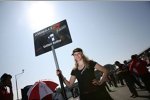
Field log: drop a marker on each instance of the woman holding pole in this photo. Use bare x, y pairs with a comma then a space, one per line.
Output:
90, 88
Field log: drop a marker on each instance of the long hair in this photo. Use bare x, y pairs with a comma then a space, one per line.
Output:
85, 61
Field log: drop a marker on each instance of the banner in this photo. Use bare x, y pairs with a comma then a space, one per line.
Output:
57, 35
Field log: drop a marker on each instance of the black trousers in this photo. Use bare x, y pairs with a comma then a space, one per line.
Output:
146, 80
130, 83
131, 87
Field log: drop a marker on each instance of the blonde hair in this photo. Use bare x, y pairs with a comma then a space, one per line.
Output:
85, 61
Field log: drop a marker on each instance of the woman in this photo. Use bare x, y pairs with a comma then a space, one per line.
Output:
90, 88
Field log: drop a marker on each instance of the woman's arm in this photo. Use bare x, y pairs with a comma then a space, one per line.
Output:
68, 83
104, 75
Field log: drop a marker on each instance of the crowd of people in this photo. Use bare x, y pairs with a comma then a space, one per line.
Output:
134, 74
93, 78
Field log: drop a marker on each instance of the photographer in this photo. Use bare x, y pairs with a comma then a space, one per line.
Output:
6, 92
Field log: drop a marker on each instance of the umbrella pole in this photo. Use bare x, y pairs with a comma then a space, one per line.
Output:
60, 76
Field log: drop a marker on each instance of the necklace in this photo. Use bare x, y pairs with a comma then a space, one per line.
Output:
82, 70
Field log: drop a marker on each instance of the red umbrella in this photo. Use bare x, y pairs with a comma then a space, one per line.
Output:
41, 89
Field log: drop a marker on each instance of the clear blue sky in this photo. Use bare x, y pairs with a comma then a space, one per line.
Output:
106, 31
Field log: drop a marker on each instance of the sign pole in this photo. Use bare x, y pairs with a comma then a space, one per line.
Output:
57, 68
51, 38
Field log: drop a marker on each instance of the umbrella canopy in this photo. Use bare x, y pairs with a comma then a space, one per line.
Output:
41, 89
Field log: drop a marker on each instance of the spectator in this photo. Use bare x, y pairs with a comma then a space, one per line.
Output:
5, 84
127, 77
140, 68
134, 77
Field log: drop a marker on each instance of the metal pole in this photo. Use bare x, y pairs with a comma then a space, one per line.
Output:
57, 68
55, 58
17, 83
16, 87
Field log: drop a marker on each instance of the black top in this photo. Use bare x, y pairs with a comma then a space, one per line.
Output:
85, 77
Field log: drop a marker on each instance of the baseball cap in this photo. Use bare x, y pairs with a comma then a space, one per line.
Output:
76, 50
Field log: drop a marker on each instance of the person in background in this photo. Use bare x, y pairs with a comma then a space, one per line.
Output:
123, 70
89, 87
134, 76
6, 92
120, 78
139, 67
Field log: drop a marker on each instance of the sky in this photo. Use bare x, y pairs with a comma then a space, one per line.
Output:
106, 31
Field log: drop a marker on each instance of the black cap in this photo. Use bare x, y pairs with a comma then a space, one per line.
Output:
77, 50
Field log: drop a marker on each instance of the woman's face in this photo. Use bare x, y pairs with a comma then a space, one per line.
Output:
78, 56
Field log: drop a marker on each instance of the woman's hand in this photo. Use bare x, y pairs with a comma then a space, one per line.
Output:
96, 82
58, 72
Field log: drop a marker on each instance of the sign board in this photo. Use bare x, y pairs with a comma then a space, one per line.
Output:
57, 35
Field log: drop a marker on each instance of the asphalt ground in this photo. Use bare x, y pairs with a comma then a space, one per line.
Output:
123, 93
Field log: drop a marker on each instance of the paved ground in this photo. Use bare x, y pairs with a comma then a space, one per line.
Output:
122, 93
